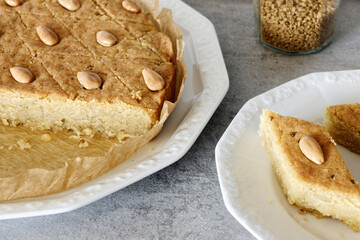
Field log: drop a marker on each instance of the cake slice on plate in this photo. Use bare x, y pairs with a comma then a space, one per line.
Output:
342, 122
322, 185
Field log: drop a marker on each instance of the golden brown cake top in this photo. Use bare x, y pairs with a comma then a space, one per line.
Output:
139, 45
349, 113
332, 174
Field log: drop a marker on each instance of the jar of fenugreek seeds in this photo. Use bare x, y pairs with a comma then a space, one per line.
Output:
296, 26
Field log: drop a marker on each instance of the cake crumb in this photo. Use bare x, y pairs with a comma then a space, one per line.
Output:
77, 131
302, 211
24, 144
136, 95
122, 136
270, 200
88, 132
82, 143
46, 137
151, 149
305, 219
75, 137
342, 235
5, 122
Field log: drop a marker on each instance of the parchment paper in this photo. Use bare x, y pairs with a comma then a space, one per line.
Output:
58, 165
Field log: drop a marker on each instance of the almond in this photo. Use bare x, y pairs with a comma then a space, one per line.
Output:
47, 36
89, 80
71, 5
153, 80
311, 149
105, 38
21, 75
14, 3
130, 6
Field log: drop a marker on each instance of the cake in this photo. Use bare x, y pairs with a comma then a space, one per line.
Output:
327, 189
77, 76
88, 66
343, 124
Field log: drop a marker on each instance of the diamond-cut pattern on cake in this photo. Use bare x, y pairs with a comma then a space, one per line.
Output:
44, 84
68, 45
130, 72
126, 48
35, 7
88, 10
9, 40
115, 10
119, 66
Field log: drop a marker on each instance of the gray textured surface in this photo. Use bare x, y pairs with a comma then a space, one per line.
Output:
183, 201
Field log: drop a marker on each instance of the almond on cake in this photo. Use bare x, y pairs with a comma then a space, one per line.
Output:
325, 187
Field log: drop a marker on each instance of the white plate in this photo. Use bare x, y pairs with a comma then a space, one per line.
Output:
250, 190
206, 85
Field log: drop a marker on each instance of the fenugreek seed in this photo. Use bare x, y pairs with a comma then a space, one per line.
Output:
153, 80
71, 5
89, 80
105, 38
311, 149
47, 36
130, 6
21, 75
14, 3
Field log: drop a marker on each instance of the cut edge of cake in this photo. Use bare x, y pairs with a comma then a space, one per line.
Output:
84, 118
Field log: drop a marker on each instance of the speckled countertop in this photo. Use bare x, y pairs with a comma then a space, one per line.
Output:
183, 201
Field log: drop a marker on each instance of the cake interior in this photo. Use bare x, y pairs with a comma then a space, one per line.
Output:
84, 118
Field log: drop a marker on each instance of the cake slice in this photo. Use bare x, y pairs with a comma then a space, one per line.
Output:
327, 188
343, 124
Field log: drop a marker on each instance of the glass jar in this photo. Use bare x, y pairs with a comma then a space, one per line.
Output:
296, 26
